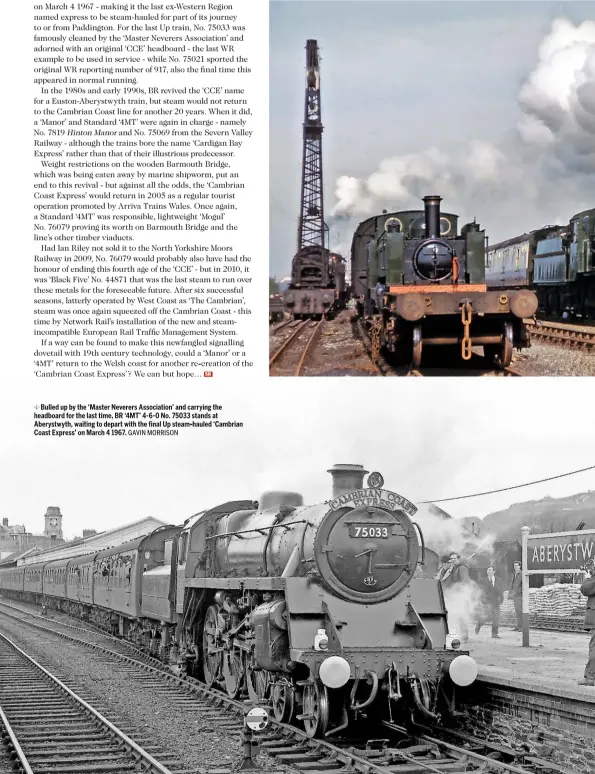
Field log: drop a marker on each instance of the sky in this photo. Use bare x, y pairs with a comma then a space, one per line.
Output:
489, 104
428, 438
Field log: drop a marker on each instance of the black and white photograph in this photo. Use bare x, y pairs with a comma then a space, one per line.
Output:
435, 160
206, 570
397, 589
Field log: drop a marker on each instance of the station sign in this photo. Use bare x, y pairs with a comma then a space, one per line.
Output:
560, 552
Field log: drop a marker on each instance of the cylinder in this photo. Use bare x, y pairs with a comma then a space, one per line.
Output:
347, 478
432, 208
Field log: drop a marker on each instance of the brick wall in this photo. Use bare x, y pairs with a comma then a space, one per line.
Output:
550, 727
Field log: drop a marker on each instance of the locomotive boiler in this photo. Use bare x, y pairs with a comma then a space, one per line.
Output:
421, 283
316, 609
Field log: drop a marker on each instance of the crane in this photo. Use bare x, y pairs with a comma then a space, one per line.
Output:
312, 229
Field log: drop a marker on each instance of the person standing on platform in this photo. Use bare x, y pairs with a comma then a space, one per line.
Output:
588, 590
492, 599
454, 576
515, 592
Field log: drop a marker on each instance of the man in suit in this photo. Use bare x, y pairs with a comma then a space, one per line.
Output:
588, 589
454, 576
492, 596
515, 592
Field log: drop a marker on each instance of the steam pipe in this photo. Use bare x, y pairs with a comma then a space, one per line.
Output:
292, 563
419, 704
432, 210
373, 692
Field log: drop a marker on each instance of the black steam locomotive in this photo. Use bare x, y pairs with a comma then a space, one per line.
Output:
317, 287
420, 282
320, 610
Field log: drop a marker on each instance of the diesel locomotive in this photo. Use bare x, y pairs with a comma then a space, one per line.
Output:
556, 262
420, 282
320, 610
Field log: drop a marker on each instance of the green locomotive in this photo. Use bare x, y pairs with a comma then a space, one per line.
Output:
420, 282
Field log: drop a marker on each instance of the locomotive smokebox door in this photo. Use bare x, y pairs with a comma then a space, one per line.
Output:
366, 553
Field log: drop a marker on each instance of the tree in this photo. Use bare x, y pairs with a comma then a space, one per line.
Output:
273, 285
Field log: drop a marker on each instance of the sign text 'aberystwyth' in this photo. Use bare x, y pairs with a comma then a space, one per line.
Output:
560, 552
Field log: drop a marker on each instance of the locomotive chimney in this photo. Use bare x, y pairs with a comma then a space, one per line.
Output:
346, 478
432, 207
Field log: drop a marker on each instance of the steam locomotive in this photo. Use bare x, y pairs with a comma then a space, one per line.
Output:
557, 262
318, 609
421, 283
317, 287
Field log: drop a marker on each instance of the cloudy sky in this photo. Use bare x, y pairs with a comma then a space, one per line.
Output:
427, 443
490, 104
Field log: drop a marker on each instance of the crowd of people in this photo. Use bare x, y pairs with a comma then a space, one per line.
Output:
479, 601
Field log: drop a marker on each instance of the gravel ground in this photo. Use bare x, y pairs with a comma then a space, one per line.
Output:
338, 353
5, 761
548, 360
143, 711
335, 351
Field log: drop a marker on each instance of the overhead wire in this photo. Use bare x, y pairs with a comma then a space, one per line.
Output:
506, 488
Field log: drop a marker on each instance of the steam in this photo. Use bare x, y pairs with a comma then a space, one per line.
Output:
463, 606
445, 535
536, 176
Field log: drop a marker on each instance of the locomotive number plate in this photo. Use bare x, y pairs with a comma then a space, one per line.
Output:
369, 531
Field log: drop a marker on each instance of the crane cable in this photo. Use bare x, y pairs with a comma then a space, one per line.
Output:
506, 488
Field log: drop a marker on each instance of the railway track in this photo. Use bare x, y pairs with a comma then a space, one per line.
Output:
422, 751
52, 730
291, 355
561, 334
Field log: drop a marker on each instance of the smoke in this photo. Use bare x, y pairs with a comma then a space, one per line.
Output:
445, 535
558, 98
536, 176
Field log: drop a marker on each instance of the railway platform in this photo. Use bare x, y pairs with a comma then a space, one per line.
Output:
553, 664
535, 689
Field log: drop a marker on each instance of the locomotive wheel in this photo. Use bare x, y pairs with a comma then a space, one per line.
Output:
505, 355
418, 343
282, 697
233, 671
211, 649
316, 709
